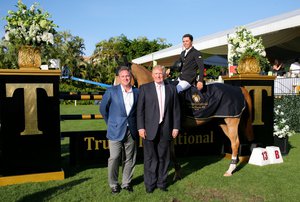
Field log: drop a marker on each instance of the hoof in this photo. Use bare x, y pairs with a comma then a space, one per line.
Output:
231, 169
227, 174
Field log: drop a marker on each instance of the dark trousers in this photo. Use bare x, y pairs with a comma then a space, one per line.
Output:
156, 161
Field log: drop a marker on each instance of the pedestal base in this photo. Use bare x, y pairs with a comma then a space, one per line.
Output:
283, 144
39, 177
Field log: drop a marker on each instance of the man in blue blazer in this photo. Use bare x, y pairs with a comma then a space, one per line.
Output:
158, 121
118, 108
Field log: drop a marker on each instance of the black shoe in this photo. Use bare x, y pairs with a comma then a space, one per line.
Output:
164, 189
128, 188
149, 191
115, 190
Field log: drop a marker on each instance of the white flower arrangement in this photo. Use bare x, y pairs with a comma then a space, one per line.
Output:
29, 26
244, 44
281, 129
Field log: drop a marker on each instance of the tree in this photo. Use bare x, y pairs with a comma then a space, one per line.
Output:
8, 55
67, 48
119, 50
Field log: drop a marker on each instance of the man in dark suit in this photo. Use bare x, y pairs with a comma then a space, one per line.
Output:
191, 62
118, 108
158, 121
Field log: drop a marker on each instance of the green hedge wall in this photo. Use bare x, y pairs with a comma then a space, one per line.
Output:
290, 105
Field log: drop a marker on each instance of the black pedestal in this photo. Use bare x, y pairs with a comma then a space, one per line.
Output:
30, 122
261, 90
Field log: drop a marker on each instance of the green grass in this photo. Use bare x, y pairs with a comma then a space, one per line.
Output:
202, 181
81, 125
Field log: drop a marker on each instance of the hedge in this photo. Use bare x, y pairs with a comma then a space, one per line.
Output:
290, 105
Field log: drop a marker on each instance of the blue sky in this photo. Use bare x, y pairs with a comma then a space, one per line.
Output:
97, 20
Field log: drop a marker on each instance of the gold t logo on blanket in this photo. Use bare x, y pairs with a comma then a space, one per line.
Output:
196, 97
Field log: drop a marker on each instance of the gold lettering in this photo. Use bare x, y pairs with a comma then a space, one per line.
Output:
198, 139
184, 139
97, 142
258, 101
30, 103
105, 144
191, 139
206, 139
89, 142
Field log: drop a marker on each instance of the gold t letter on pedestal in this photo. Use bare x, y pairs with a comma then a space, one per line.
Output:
258, 101
30, 103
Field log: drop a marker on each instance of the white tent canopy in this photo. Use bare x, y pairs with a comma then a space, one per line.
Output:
280, 34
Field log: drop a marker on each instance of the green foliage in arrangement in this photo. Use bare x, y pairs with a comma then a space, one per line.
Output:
289, 106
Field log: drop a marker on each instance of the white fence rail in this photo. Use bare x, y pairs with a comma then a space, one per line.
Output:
286, 86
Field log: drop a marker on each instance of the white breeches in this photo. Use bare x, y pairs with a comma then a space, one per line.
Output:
182, 85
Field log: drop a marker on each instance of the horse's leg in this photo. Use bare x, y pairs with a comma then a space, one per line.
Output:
230, 128
177, 167
247, 116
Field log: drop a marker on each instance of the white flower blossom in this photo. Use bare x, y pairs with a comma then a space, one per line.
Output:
243, 43
32, 8
47, 37
6, 36
281, 129
29, 26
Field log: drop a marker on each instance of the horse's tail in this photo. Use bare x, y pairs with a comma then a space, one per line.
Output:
247, 116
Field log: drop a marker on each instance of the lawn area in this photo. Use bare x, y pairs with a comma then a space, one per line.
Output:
81, 125
202, 178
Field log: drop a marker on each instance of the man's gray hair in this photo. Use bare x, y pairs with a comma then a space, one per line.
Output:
160, 67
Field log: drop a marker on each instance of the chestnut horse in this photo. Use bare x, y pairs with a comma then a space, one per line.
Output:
229, 126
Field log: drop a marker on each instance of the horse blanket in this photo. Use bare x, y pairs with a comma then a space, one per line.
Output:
215, 100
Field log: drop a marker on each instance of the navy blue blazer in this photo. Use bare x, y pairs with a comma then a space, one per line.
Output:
113, 110
191, 63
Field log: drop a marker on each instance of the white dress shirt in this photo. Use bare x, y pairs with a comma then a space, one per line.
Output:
186, 51
128, 99
162, 103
